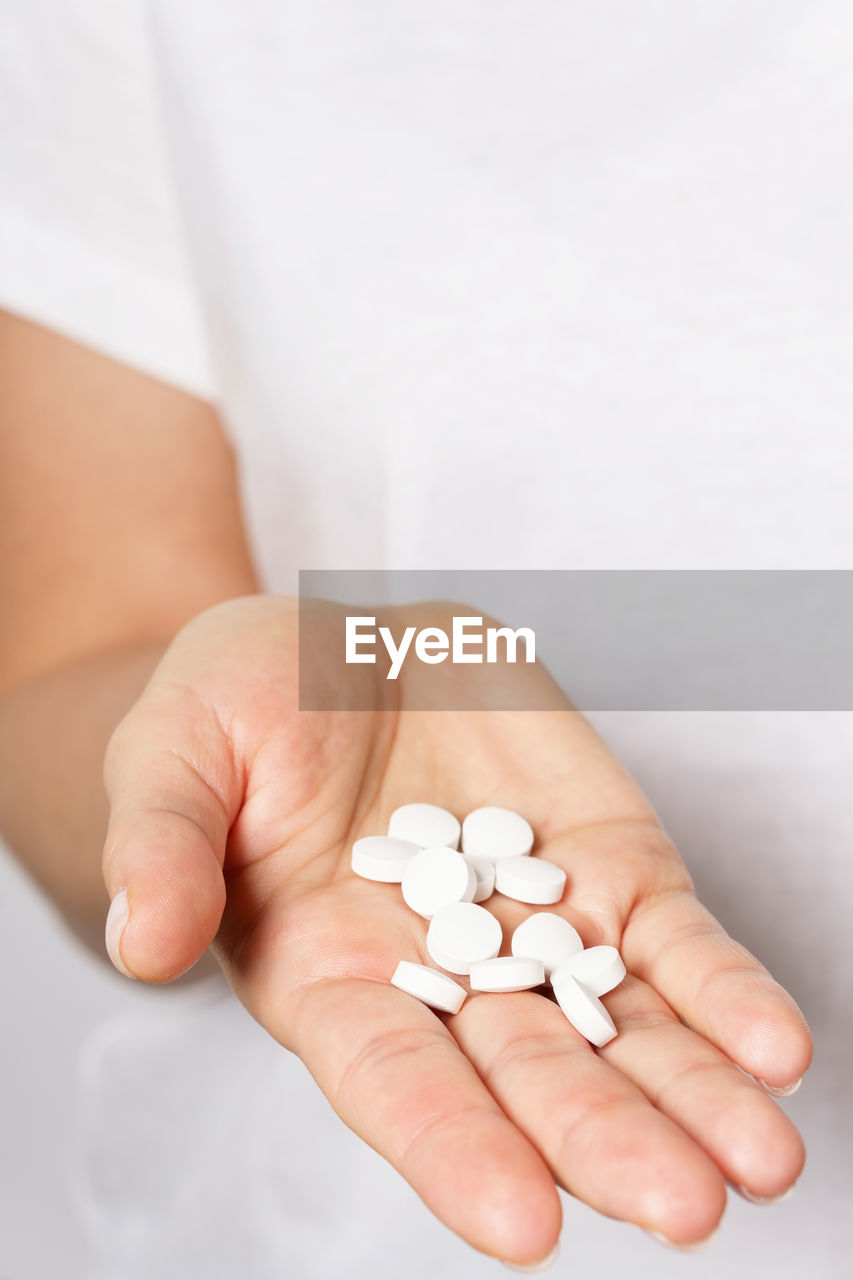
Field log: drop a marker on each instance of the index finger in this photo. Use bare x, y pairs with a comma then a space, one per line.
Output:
396, 1076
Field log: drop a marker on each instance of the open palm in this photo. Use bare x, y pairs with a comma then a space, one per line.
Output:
232, 819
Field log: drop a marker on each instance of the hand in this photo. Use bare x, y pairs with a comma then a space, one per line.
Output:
232, 819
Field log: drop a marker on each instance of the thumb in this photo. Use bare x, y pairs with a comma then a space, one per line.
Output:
174, 791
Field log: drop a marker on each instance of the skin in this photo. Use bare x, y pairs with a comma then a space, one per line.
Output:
230, 817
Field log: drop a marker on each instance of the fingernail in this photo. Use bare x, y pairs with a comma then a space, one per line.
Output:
695, 1247
747, 1195
116, 920
534, 1268
784, 1092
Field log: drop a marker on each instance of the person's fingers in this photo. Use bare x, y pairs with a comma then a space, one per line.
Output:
628, 886
602, 1139
395, 1075
716, 986
173, 791
751, 1140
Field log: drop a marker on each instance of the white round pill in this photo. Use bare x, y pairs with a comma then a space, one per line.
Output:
436, 877
430, 986
530, 880
584, 1011
381, 858
546, 937
425, 824
599, 969
484, 870
507, 973
461, 935
495, 833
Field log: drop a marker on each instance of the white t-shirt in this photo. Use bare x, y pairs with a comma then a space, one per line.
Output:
588, 264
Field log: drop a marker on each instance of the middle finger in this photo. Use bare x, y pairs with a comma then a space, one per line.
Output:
602, 1138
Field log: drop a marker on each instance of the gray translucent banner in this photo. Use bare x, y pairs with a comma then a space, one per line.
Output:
618, 640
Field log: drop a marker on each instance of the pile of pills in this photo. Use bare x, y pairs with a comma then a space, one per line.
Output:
448, 887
